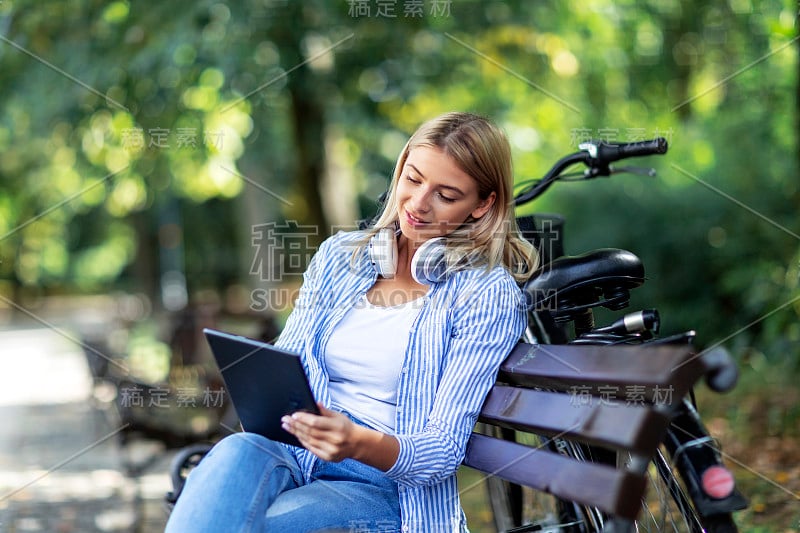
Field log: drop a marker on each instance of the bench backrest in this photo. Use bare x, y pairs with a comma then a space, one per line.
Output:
618, 398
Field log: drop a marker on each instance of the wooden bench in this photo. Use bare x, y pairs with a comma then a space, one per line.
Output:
617, 398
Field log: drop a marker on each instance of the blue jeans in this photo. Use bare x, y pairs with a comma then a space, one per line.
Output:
250, 483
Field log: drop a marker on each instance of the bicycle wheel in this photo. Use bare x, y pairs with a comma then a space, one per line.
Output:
668, 507
539, 511
521, 509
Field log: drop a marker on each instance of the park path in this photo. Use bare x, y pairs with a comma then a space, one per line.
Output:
62, 468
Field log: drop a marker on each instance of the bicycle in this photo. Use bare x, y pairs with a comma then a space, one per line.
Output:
690, 489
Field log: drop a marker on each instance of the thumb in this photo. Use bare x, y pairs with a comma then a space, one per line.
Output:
324, 411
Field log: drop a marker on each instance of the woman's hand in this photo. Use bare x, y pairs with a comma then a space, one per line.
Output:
332, 436
329, 436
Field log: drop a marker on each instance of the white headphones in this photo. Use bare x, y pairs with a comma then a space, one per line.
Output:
428, 264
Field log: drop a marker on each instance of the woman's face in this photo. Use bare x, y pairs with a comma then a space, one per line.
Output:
434, 196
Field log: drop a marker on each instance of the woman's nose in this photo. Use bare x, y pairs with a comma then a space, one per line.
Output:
421, 201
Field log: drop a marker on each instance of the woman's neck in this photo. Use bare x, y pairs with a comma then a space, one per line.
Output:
405, 253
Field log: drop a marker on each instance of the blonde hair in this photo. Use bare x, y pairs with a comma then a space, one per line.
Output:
481, 150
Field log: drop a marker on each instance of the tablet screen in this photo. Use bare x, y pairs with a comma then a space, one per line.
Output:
264, 382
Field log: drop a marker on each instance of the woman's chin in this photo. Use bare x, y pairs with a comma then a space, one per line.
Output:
416, 234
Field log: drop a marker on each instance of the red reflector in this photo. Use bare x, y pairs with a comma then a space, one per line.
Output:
717, 482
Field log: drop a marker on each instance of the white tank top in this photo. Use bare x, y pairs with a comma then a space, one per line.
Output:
364, 356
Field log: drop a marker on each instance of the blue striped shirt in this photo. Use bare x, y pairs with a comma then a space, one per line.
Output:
466, 327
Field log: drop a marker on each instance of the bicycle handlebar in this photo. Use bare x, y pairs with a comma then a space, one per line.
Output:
597, 156
605, 153
721, 372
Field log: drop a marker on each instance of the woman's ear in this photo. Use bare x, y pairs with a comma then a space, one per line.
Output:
484, 206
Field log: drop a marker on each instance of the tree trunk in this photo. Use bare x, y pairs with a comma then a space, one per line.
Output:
144, 268
308, 117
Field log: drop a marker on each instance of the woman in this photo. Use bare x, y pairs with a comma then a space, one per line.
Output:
400, 360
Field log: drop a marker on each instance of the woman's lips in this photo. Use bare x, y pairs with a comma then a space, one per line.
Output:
414, 221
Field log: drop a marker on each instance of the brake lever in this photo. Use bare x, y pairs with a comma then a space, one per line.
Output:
641, 171
597, 171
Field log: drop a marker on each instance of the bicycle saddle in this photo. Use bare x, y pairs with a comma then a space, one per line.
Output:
581, 279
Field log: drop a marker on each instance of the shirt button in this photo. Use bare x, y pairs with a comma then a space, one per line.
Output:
406, 528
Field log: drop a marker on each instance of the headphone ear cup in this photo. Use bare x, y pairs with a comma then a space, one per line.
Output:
383, 252
428, 264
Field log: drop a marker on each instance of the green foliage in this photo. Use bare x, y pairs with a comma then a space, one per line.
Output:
213, 117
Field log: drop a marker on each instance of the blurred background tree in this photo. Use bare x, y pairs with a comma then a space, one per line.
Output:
142, 142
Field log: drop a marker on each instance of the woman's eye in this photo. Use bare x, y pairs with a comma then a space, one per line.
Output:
446, 199
412, 180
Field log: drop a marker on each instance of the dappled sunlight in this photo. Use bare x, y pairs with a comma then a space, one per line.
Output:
40, 367
61, 466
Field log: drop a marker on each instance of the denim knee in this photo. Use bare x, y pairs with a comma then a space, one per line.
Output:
245, 447
234, 485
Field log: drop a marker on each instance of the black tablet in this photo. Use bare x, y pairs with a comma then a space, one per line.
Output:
264, 382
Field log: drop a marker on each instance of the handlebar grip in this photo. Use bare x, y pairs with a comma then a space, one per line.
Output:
608, 153
721, 372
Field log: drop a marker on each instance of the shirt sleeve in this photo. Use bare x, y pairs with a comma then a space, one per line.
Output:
487, 323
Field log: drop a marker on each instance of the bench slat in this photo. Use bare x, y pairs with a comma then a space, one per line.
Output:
652, 370
601, 422
618, 492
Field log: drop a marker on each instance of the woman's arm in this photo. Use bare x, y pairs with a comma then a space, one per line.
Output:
486, 324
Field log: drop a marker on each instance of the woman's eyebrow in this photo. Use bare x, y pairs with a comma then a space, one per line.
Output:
443, 186
416, 169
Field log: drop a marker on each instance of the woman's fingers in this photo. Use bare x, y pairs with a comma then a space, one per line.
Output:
325, 435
